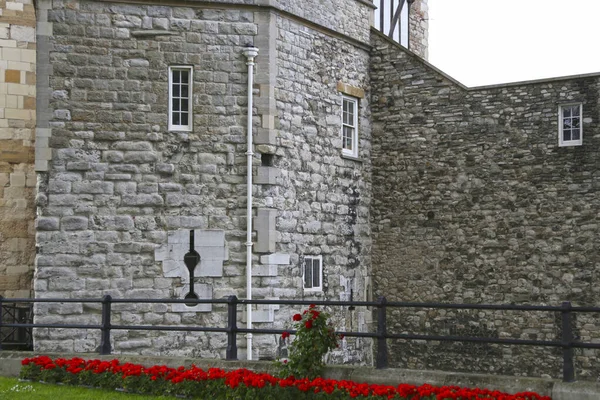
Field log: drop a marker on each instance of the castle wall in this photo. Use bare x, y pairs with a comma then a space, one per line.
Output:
17, 133
121, 193
475, 202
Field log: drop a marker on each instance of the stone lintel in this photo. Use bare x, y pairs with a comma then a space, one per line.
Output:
350, 90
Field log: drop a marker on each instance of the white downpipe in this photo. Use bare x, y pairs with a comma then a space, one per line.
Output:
250, 53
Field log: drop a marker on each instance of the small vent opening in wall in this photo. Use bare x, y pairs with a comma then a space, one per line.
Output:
266, 160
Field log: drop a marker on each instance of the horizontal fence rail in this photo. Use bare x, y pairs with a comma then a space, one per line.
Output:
567, 340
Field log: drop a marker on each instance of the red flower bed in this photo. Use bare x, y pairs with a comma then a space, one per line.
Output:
218, 384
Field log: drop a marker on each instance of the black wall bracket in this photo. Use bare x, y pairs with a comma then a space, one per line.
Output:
191, 260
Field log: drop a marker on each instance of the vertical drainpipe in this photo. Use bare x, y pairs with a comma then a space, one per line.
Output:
250, 53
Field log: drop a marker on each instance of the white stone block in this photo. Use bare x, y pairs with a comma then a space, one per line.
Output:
275, 258
264, 270
209, 268
22, 33
205, 237
202, 290
173, 269
14, 6
211, 252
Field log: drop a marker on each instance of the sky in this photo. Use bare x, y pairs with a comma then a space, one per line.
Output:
482, 42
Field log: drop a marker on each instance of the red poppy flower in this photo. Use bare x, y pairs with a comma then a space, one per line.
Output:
308, 324
297, 317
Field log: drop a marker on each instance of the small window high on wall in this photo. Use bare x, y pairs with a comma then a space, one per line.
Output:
312, 274
350, 126
180, 98
570, 130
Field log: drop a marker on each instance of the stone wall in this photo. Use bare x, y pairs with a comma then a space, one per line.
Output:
323, 198
121, 194
349, 17
419, 28
17, 133
475, 202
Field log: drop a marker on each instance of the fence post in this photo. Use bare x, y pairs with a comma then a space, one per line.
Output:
1, 312
231, 353
382, 350
105, 330
567, 339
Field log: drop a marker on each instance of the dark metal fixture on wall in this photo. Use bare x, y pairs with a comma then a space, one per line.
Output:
191, 260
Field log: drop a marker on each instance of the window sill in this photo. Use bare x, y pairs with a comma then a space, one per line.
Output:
353, 158
570, 144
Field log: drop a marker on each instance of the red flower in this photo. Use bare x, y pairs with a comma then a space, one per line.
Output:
312, 306
285, 335
308, 324
297, 317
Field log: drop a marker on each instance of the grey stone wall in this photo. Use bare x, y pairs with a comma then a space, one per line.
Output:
475, 202
323, 199
349, 17
122, 193
120, 188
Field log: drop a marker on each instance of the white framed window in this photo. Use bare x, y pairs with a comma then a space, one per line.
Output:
312, 274
180, 98
349, 126
570, 128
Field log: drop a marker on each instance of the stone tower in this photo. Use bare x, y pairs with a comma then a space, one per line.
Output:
17, 132
145, 113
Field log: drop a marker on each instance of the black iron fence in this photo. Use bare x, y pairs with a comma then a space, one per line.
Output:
15, 337
568, 342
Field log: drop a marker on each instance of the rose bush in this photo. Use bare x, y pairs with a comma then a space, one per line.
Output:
313, 339
218, 384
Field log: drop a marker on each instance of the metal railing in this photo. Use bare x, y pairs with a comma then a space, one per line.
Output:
16, 338
567, 340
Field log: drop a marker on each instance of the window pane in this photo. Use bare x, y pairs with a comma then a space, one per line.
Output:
347, 138
175, 105
176, 76
184, 91
185, 105
176, 119
316, 273
575, 111
184, 118
575, 122
176, 90
185, 76
575, 134
567, 122
566, 112
566, 135
307, 274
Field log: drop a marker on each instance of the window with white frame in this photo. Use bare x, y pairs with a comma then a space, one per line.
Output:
180, 98
350, 126
312, 275
570, 125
